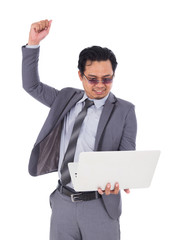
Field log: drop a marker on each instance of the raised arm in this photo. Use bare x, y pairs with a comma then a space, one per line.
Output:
30, 76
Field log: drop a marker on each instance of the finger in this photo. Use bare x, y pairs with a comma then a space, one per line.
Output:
43, 24
46, 24
100, 191
40, 26
116, 188
49, 25
127, 191
35, 27
108, 189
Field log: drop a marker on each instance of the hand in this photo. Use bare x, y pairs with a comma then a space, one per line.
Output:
108, 190
39, 31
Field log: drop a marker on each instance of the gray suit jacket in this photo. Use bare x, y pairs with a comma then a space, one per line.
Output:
116, 130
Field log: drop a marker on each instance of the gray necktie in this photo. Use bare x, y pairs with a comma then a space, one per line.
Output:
70, 152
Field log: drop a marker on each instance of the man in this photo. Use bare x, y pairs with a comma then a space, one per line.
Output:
108, 124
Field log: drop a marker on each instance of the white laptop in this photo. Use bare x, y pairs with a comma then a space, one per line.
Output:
131, 169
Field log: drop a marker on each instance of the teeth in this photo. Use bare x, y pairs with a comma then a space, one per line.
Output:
99, 91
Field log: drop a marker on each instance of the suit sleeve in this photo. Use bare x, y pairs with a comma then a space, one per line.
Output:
128, 140
30, 76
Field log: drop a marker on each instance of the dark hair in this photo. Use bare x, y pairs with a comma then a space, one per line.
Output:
96, 53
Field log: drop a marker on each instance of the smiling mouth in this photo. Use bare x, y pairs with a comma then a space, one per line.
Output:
99, 91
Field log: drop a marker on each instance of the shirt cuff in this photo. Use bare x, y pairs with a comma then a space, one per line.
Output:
32, 46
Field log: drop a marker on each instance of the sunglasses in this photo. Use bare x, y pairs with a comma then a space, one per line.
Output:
93, 80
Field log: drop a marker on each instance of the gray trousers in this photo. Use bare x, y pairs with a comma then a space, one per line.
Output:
86, 220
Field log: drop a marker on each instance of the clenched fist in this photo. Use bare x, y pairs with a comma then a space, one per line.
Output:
39, 31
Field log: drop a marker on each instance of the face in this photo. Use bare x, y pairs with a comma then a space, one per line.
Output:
99, 70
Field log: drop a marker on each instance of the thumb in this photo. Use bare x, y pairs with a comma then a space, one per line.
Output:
50, 22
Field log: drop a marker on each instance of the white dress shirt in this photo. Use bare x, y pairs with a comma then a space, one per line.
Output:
87, 135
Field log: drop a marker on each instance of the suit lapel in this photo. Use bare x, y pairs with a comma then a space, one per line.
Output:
72, 101
59, 112
106, 114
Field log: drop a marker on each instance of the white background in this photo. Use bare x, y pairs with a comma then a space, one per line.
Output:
145, 37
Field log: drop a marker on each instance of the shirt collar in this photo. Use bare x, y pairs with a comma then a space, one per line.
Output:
97, 102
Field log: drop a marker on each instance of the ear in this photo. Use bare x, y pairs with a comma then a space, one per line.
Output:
80, 75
